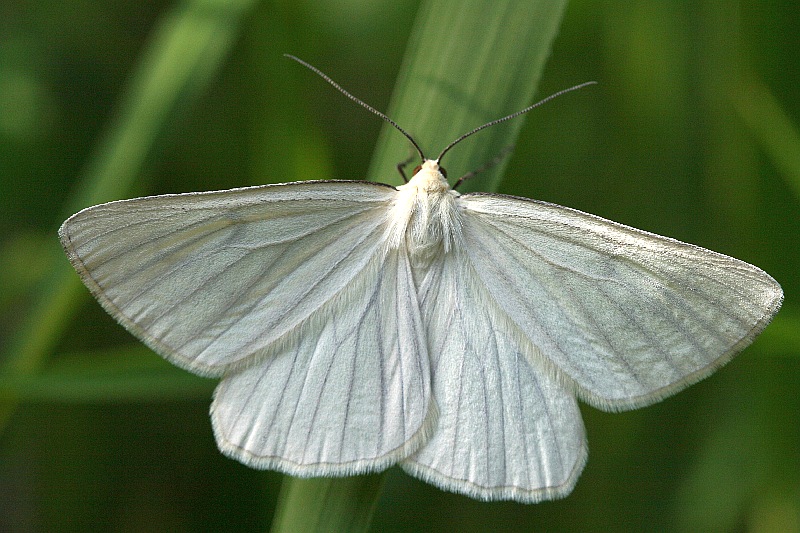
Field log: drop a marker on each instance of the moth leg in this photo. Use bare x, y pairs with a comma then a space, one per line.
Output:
494, 161
402, 165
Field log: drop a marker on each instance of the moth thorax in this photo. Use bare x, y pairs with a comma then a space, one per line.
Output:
433, 228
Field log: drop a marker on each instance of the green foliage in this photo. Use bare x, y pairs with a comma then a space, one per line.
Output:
691, 133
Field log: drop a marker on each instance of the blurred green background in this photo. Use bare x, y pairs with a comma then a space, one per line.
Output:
691, 133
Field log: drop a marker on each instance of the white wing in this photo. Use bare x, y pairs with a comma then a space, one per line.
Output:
289, 291
507, 429
210, 280
353, 395
629, 316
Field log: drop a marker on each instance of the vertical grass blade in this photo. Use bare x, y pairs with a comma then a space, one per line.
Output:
466, 64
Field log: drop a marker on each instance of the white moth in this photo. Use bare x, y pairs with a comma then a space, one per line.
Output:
356, 325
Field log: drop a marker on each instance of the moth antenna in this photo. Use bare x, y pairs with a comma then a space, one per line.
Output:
363, 104
512, 115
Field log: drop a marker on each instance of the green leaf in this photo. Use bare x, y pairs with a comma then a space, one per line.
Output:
466, 64
327, 504
186, 50
125, 374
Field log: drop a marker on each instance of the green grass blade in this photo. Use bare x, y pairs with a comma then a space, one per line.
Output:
466, 64
327, 504
188, 46
125, 374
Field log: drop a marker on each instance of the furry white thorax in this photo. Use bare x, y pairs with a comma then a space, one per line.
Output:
425, 216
